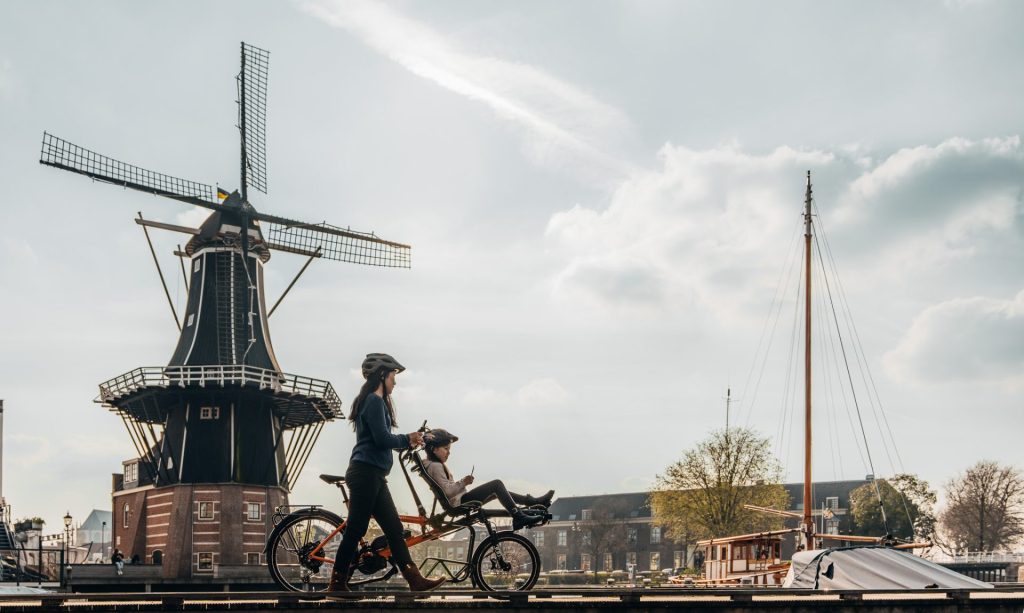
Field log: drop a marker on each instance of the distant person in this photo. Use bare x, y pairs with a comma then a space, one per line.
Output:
439, 446
117, 559
373, 418
136, 559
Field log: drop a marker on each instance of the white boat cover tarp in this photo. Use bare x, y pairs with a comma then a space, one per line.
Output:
871, 568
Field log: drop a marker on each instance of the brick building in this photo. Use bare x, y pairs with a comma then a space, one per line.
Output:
626, 534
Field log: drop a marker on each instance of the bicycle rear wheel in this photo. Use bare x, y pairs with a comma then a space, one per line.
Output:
289, 549
506, 562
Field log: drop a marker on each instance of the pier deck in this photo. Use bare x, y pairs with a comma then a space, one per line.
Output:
1009, 598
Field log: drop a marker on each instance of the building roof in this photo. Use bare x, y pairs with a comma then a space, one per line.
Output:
95, 520
570, 508
638, 504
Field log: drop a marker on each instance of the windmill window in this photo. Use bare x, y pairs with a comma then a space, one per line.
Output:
196, 265
205, 561
252, 559
191, 318
131, 472
205, 510
253, 511
127, 512
209, 413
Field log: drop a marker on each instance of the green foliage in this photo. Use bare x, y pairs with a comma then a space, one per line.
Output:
908, 502
703, 494
28, 523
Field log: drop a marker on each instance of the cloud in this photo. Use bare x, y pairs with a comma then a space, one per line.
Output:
561, 125
192, 217
684, 233
695, 232
28, 450
965, 340
7, 76
540, 393
940, 176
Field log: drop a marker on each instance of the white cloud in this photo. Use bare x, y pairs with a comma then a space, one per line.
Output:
691, 230
7, 76
483, 398
541, 393
963, 340
18, 250
27, 450
908, 166
694, 233
192, 217
561, 124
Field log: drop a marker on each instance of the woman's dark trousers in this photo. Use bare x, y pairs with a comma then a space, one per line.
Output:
369, 497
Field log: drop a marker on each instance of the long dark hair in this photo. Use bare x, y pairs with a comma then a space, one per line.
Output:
432, 456
375, 380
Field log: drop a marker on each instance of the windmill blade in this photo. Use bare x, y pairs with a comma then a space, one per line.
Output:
334, 243
252, 115
59, 153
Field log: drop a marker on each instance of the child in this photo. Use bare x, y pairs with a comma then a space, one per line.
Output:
438, 447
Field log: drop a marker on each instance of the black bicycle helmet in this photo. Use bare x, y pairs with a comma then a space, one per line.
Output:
376, 361
439, 438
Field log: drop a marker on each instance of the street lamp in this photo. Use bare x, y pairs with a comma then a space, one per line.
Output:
67, 541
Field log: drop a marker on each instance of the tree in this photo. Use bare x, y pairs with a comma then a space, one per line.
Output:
984, 508
605, 527
909, 508
702, 495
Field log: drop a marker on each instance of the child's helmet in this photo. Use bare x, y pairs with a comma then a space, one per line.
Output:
439, 438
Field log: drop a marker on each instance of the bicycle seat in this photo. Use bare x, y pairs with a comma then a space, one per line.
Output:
332, 479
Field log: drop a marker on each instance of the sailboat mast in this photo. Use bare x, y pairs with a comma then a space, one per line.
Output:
807, 521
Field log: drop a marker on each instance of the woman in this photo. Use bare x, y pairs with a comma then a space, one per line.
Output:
117, 558
439, 448
373, 417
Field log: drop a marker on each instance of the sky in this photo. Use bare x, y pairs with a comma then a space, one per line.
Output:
604, 202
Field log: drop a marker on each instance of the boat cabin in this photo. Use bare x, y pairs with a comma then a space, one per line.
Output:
754, 559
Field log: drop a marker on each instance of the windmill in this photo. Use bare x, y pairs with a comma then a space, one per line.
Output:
222, 433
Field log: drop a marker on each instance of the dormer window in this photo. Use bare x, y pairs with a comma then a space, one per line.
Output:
209, 412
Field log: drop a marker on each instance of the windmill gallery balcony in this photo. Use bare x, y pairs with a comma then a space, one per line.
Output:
142, 393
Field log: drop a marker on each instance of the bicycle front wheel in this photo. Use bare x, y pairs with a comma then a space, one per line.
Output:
294, 552
506, 561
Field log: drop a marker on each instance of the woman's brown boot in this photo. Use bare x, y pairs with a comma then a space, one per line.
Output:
339, 581
417, 582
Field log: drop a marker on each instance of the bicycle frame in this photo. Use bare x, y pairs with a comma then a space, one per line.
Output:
431, 528
445, 528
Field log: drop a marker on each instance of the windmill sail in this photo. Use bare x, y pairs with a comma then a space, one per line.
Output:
342, 245
60, 153
252, 115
